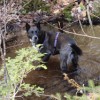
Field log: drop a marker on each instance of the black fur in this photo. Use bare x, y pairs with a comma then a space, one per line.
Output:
27, 27
77, 49
95, 21
66, 47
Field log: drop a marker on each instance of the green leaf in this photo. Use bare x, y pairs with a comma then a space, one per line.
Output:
91, 84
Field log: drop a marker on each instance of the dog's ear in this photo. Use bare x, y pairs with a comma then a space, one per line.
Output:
38, 25
27, 27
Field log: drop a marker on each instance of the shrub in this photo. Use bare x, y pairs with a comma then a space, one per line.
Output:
18, 68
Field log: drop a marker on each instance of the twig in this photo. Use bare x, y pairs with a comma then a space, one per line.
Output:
94, 15
27, 3
93, 37
4, 47
81, 27
71, 81
89, 18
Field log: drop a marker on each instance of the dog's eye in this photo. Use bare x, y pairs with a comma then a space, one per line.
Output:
32, 32
35, 31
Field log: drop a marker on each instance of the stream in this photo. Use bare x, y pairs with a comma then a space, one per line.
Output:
51, 79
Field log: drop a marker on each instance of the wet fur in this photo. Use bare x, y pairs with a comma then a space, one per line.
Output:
66, 47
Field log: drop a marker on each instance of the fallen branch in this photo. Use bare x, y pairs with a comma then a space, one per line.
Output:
73, 83
88, 36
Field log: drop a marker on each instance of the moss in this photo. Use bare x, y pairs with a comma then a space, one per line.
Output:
96, 8
67, 12
34, 5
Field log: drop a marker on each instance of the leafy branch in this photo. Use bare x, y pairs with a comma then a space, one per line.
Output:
18, 68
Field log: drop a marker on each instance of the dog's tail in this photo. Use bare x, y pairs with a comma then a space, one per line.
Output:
77, 49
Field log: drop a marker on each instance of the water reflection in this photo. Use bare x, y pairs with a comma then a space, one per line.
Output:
51, 79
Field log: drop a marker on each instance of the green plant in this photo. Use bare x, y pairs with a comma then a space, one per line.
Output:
90, 91
96, 8
67, 12
18, 68
34, 5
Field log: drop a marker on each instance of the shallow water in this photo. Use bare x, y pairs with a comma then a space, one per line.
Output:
51, 79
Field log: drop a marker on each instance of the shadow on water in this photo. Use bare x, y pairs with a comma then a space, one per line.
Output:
51, 79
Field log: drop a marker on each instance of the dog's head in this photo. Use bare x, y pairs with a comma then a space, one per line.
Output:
33, 32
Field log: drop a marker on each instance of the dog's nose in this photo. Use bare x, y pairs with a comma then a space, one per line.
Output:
36, 38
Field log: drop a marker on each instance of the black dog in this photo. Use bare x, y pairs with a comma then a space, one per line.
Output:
55, 43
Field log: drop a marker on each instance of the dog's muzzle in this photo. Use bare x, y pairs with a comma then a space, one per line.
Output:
34, 40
